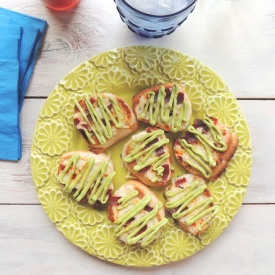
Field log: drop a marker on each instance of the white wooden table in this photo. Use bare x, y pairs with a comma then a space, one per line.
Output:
237, 40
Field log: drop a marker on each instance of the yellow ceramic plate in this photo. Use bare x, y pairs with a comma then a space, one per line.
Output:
124, 72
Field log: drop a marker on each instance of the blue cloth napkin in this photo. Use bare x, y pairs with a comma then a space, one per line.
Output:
20, 37
9, 115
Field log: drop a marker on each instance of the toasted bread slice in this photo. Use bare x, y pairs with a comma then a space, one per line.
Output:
148, 157
190, 203
103, 120
165, 106
87, 176
137, 213
206, 148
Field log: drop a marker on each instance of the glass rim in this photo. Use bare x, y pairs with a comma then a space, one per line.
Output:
160, 16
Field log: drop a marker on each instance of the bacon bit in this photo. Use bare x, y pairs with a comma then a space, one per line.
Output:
165, 171
104, 122
109, 193
144, 228
61, 167
156, 97
148, 208
176, 142
180, 158
207, 193
194, 224
167, 128
159, 151
93, 100
82, 103
76, 121
89, 118
190, 138
151, 143
74, 176
145, 169
148, 130
167, 96
110, 106
199, 123
180, 181
129, 222
76, 110
214, 120
84, 126
111, 216
114, 200
180, 98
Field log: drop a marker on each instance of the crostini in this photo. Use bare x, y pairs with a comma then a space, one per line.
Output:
87, 176
137, 213
190, 203
148, 157
166, 106
103, 120
206, 148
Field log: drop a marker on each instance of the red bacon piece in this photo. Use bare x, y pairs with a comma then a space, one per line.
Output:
84, 126
199, 123
180, 98
148, 208
145, 169
180, 181
109, 193
114, 200
159, 151
76, 121
165, 171
151, 143
129, 222
144, 228
167, 96
92, 100
190, 138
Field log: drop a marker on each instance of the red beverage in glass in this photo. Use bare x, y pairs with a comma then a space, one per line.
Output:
61, 5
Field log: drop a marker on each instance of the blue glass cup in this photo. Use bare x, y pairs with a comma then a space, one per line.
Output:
152, 26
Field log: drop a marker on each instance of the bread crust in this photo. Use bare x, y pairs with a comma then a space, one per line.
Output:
128, 118
155, 89
138, 174
223, 158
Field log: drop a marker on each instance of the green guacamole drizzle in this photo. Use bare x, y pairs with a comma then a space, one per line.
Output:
159, 109
138, 152
97, 181
204, 161
190, 193
102, 130
149, 234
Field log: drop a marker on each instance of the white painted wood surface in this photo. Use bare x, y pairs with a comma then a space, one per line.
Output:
236, 38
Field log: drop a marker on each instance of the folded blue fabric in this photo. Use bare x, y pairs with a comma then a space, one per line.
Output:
9, 116
33, 30
19, 42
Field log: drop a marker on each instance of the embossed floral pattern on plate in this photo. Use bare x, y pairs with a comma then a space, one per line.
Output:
124, 72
